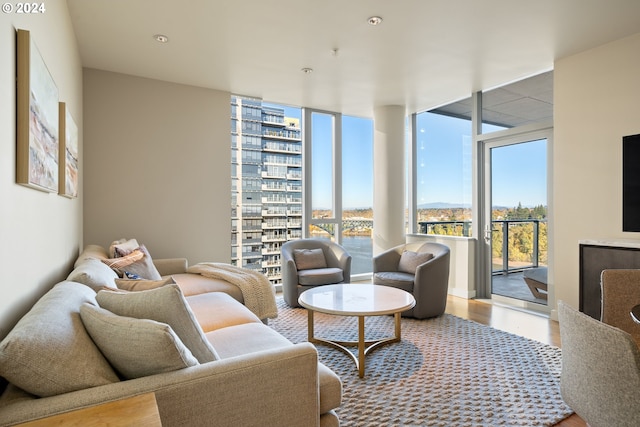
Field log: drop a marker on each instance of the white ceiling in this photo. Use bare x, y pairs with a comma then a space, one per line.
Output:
425, 53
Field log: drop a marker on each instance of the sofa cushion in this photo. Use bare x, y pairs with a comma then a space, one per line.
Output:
409, 261
216, 310
396, 279
93, 273
134, 285
320, 276
307, 259
166, 305
246, 338
143, 268
49, 352
135, 347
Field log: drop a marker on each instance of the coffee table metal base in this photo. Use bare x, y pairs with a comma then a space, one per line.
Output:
364, 346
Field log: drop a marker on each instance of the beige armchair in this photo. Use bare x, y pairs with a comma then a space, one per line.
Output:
600, 375
307, 263
421, 269
620, 293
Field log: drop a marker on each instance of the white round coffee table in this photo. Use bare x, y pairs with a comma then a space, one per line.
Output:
356, 300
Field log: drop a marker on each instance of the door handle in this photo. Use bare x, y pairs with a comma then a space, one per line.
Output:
487, 233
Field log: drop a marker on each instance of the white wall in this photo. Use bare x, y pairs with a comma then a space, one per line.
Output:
462, 271
157, 166
40, 233
596, 103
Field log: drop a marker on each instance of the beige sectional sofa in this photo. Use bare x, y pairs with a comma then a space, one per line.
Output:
207, 357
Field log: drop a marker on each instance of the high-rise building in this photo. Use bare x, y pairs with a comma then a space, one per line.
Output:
266, 193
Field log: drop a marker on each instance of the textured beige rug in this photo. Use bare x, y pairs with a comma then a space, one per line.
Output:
446, 371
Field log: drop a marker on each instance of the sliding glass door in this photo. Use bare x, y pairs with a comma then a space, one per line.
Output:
515, 218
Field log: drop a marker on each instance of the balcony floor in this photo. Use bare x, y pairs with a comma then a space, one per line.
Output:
512, 285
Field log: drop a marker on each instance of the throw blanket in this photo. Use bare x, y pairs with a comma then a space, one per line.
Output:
258, 293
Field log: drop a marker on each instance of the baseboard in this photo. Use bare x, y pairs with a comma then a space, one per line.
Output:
466, 294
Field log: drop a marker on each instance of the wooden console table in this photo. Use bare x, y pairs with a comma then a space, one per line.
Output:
598, 255
138, 411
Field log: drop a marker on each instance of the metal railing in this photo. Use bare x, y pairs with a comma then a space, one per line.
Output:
463, 228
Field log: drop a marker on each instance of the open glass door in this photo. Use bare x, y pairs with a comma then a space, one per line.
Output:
515, 215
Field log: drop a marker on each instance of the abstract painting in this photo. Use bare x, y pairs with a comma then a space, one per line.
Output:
37, 119
68, 164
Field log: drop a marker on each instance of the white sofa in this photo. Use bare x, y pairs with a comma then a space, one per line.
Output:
56, 359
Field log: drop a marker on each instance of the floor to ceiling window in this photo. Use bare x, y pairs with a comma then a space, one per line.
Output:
268, 184
514, 119
443, 174
340, 183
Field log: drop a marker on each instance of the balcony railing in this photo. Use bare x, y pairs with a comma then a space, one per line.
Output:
516, 243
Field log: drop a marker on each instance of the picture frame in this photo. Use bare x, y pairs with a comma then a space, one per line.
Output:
68, 148
37, 139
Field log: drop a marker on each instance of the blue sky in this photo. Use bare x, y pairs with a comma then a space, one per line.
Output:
443, 163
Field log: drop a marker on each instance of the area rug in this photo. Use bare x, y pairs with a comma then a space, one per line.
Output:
446, 371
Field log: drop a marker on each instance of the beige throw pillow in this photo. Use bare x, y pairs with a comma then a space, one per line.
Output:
135, 347
409, 261
307, 259
93, 273
49, 352
165, 304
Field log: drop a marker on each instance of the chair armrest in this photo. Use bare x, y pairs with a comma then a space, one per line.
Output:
256, 389
168, 266
386, 261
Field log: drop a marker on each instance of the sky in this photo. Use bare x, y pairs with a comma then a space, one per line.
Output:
443, 160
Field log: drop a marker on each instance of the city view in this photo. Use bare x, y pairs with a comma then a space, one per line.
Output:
266, 199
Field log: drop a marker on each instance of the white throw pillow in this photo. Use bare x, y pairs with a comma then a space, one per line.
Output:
135, 347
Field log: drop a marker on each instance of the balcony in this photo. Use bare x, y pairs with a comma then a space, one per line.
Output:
516, 244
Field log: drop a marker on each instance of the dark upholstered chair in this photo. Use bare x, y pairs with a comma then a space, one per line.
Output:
600, 375
307, 263
620, 293
422, 269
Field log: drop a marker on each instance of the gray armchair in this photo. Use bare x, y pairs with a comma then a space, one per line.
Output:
422, 269
307, 263
620, 293
600, 375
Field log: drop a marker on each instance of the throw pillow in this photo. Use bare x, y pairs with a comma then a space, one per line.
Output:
307, 259
93, 273
165, 304
49, 352
121, 262
409, 261
157, 348
122, 247
141, 284
143, 267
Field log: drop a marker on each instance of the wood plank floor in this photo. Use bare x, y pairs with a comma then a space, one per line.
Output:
526, 324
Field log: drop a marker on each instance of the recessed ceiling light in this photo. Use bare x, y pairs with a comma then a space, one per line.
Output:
307, 70
374, 20
161, 38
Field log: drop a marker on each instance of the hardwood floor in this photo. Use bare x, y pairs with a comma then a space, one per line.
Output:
517, 322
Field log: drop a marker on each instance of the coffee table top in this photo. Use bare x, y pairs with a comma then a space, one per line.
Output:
350, 299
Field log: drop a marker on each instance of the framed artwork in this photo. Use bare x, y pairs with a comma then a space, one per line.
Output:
68, 164
37, 119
